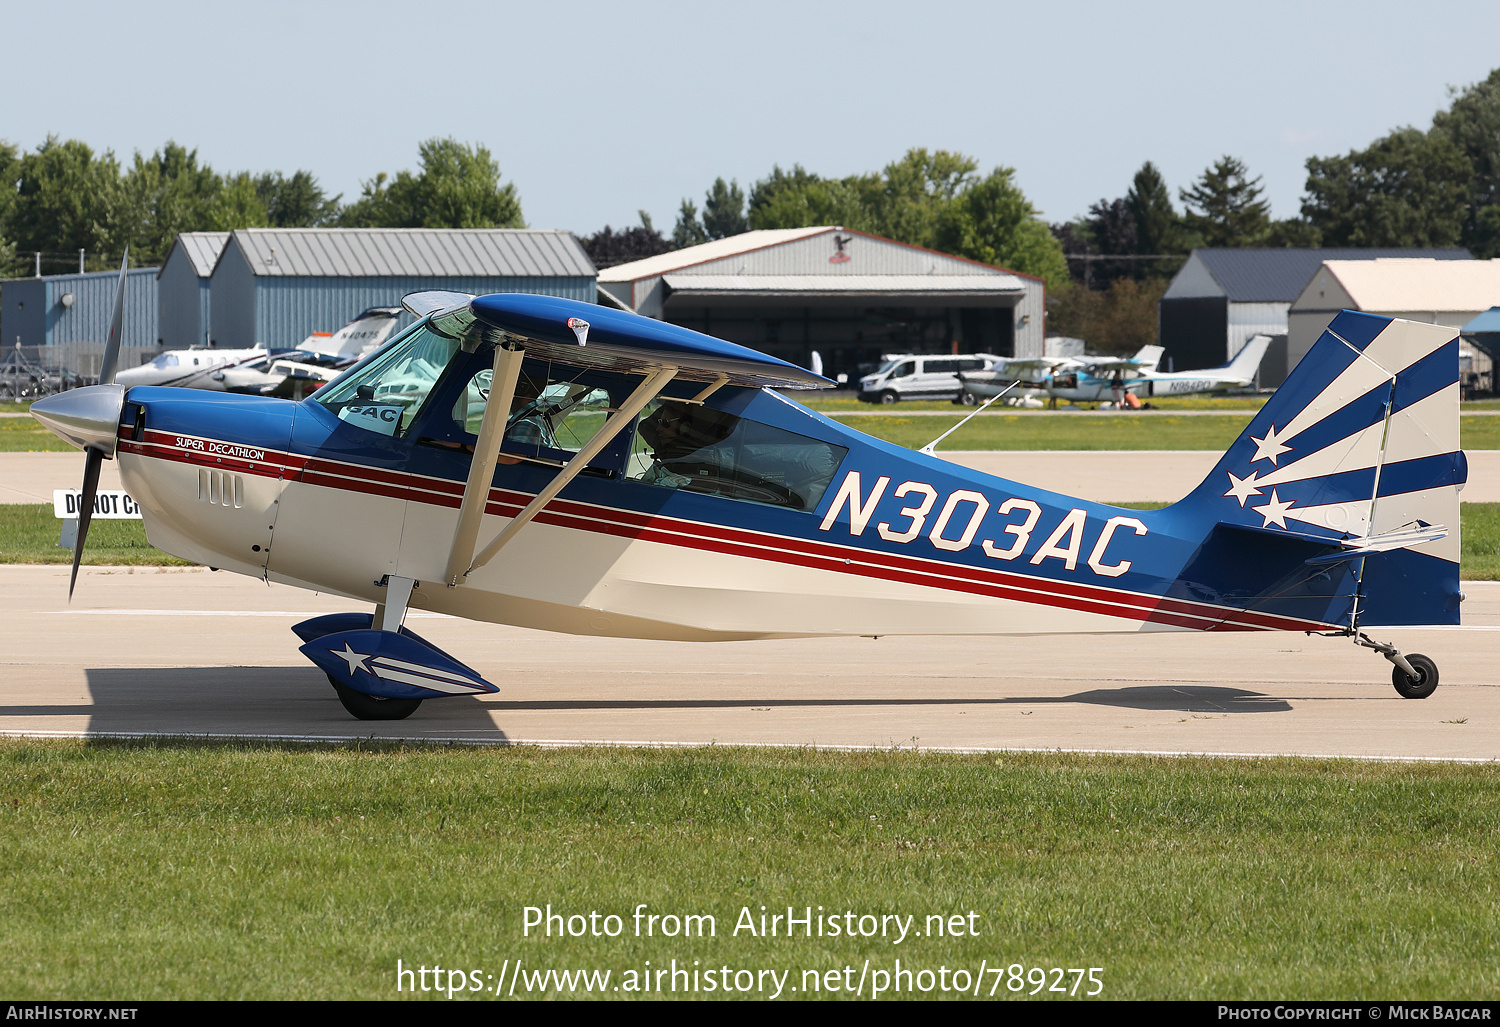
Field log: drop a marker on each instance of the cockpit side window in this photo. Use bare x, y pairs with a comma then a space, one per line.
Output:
699, 449
554, 411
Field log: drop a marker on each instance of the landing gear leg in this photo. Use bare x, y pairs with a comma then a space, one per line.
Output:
1414, 675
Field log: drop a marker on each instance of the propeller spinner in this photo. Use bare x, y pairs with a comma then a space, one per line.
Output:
89, 418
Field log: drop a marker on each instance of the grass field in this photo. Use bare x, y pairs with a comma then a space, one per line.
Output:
28, 534
204, 871
1158, 431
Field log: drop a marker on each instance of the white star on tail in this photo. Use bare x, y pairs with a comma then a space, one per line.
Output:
1268, 447
1274, 512
356, 661
1243, 488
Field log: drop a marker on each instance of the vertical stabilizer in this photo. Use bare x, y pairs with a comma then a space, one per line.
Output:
1360, 441
1247, 361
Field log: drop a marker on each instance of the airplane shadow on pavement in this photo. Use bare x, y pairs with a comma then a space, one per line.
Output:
297, 702
1181, 698
255, 701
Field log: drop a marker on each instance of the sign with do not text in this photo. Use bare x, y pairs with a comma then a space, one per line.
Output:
107, 505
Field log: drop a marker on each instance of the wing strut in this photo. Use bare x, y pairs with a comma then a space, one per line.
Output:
482, 470
643, 394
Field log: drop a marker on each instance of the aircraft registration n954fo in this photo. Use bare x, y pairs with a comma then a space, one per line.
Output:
552, 464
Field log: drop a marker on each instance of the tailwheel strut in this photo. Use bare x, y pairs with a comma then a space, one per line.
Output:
1415, 676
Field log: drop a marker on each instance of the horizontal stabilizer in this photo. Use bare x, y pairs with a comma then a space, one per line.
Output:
1414, 534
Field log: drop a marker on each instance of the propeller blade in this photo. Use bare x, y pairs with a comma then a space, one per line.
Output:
93, 460
111, 357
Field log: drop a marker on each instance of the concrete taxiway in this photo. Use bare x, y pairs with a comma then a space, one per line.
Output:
189, 652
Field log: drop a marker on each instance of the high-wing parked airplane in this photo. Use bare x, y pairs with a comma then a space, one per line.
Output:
553, 464
1103, 379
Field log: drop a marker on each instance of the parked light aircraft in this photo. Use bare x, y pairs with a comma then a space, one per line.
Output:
553, 464
176, 366
1105, 379
317, 360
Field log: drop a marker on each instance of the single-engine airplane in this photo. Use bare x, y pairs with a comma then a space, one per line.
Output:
549, 463
1104, 379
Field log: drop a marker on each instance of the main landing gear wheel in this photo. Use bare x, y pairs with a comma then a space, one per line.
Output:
1420, 687
373, 707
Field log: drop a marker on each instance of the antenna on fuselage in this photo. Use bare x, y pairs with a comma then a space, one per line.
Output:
931, 448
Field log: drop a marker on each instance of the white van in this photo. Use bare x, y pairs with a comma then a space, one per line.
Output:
922, 376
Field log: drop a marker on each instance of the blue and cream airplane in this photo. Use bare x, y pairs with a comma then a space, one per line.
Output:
541, 462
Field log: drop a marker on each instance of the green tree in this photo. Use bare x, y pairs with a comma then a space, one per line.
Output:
65, 199
1410, 188
689, 229
724, 210
992, 221
907, 200
296, 202
1225, 207
10, 175
167, 193
1295, 232
1472, 124
1158, 226
802, 200
237, 204
606, 247
458, 187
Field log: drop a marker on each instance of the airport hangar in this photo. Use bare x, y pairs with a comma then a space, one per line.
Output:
1222, 297
1440, 292
62, 320
277, 286
848, 295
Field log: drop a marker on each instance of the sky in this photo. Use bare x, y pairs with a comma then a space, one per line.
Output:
596, 111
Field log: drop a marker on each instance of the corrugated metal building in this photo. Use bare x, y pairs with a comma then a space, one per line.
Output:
1484, 333
276, 286
1222, 297
182, 287
1435, 291
848, 295
63, 320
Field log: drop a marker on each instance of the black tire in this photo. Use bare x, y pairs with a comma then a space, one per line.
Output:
373, 707
889, 398
1422, 686
967, 398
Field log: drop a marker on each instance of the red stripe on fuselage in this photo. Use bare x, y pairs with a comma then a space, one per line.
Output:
831, 556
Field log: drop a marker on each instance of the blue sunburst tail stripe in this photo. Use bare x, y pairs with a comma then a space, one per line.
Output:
1362, 439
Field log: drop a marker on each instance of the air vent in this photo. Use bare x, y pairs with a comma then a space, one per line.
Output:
220, 488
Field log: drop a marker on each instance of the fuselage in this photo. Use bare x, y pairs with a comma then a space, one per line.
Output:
895, 543
175, 366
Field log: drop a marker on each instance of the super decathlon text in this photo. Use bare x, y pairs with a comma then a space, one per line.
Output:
961, 515
220, 448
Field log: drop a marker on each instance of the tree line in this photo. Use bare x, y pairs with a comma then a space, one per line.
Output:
62, 198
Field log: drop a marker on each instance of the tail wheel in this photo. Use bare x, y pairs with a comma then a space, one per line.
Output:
1423, 685
373, 707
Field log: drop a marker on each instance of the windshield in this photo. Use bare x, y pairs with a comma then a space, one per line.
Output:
384, 393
